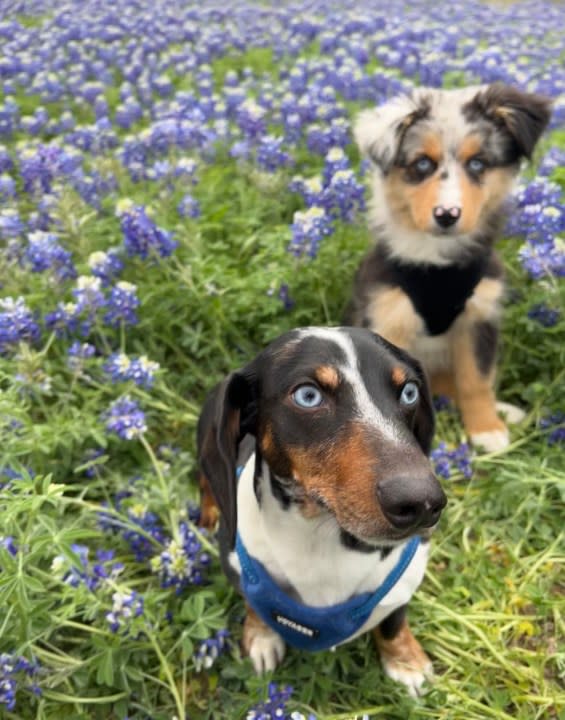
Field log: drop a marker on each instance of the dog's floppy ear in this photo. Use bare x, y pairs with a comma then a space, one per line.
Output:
379, 132
523, 115
229, 413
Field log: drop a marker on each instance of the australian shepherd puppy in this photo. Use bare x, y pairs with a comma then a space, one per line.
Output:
443, 163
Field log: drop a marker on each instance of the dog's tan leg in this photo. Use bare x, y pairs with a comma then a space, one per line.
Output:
474, 344
402, 656
263, 645
209, 512
390, 313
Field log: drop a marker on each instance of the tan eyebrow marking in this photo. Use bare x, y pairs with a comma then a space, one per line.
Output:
470, 146
398, 376
327, 375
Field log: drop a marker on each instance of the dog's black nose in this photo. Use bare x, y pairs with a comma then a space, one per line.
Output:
411, 502
446, 217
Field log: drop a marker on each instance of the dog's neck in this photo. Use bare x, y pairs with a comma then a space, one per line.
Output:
306, 556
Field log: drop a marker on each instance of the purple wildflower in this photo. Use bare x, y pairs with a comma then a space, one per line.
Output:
210, 649
347, 194
105, 265
141, 236
555, 421
189, 207
16, 673
122, 305
125, 419
270, 155
544, 315
274, 707
10, 224
7, 542
456, 460
308, 230
7, 188
77, 354
122, 368
81, 571
44, 252
543, 259
182, 562
125, 606
17, 323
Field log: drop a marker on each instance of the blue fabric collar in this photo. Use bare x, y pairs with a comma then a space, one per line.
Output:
312, 628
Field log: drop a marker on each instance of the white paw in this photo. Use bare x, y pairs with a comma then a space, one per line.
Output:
512, 414
266, 651
411, 678
491, 441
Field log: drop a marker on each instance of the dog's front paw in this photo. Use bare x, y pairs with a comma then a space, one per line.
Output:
412, 674
491, 440
264, 646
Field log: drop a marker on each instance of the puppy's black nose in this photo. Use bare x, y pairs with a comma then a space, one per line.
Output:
446, 217
411, 502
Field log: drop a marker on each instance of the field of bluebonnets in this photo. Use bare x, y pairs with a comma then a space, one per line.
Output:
178, 185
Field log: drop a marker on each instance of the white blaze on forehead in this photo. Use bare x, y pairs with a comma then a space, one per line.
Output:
449, 195
366, 408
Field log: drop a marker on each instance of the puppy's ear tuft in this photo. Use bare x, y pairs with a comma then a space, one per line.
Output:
379, 132
524, 116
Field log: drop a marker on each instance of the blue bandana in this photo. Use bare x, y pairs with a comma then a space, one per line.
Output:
312, 628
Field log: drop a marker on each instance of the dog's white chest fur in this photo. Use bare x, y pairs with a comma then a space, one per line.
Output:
308, 555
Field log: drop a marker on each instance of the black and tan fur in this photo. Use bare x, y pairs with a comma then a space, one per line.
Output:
443, 164
348, 480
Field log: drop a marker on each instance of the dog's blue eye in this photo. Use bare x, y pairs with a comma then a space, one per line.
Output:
424, 165
307, 396
410, 394
475, 165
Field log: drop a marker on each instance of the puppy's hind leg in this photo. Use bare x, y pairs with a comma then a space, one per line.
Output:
264, 646
402, 656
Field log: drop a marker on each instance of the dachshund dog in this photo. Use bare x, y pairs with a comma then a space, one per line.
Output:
443, 163
316, 454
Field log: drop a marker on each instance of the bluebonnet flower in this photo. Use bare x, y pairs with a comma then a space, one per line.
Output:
44, 252
7, 542
308, 230
105, 265
88, 294
186, 168
555, 421
182, 562
446, 461
189, 207
442, 402
125, 419
270, 155
312, 190
251, 118
91, 460
63, 320
10, 224
141, 236
122, 304
125, 606
544, 315
17, 323
77, 354
82, 572
543, 259
210, 649
347, 194
335, 160
7, 188
275, 707
6, 162
17, 673
553, 159
140, 542
122, 368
